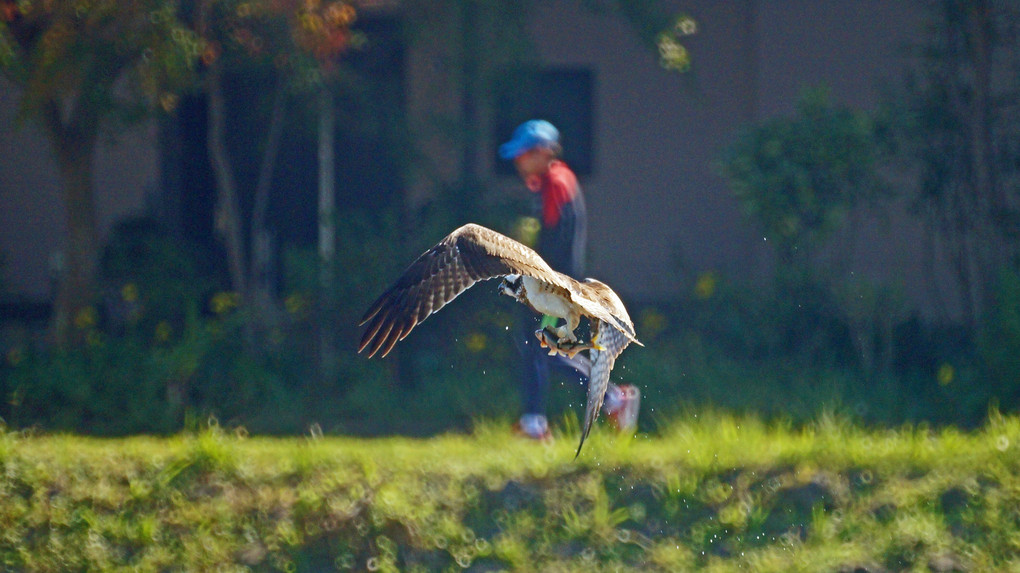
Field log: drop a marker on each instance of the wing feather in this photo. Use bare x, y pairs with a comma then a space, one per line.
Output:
382, 330
466, 256
598, 300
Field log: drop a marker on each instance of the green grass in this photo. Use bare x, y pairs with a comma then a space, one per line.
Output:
710, 491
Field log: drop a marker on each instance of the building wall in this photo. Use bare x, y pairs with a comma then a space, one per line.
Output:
31, 209
854, 48
655, 200
659, 208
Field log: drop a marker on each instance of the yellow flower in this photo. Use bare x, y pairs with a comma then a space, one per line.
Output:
526, 230
338, 14
476, 342
685, 26
945, 374
651, 323
85, 318
704, 287
15, 356
296, 304
163, 331
93, 338
224, 302
129, 292
168, 102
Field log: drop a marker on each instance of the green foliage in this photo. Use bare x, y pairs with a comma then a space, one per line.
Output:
715, 492
654, 27
952, 120
148, 381
61, 50
999, 342
791, 351
799, 177
65, 50
151, 276
167, 346
301, 40
781, 354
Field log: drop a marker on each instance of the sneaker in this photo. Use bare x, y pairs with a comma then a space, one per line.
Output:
622, 410
533, 426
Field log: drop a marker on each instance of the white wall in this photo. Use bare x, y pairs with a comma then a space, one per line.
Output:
31, 209
656, 195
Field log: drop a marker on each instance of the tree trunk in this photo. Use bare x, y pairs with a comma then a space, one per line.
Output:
327, 236
75, 153
228, 222
987, 249
262, 241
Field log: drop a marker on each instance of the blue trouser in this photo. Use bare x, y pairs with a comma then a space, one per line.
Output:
563, 248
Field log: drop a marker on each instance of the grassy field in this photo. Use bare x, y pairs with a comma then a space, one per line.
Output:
710, 491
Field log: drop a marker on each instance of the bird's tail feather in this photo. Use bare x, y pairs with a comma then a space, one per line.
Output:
598, 382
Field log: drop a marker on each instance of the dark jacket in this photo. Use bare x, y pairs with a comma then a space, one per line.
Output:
563, 240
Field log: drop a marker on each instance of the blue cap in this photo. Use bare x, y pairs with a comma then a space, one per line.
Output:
528, 135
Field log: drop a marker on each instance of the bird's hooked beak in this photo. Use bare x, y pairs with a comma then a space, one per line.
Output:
512, 286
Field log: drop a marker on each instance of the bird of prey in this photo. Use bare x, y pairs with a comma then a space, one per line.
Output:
474, 253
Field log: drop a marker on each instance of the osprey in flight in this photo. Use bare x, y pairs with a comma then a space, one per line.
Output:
474, 253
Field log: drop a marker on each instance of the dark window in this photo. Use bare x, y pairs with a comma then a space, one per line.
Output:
370, 145
563, 96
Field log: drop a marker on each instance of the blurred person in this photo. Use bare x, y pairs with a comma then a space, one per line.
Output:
534, 149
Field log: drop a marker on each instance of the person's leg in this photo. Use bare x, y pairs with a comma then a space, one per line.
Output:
579, 365
536, 379
622, 406
534, 385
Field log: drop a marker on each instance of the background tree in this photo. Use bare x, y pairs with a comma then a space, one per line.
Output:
801, 178
296, 44
83, 66
957, 120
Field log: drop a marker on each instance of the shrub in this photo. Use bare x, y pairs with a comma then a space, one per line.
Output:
999, 343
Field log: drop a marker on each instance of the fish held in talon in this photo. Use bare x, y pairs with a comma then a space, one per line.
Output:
548, 338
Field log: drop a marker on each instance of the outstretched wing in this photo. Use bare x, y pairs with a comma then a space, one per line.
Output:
613, 341
468, 255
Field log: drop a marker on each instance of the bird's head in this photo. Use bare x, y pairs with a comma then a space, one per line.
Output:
512, 286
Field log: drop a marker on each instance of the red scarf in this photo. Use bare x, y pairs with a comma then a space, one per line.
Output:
558, 186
